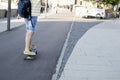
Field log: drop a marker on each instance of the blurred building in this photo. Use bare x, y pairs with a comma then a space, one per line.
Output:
54, 2
3, 0
7, 0
61, 2
85, 3
89, 3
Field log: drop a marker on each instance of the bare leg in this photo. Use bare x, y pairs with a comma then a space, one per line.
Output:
28, 40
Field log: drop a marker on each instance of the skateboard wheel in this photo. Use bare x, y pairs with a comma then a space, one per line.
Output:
29, 57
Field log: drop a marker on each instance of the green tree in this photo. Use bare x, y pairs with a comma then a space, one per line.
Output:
110, 2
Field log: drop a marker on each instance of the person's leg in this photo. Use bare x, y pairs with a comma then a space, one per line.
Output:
34, 23
29, 34
28, 40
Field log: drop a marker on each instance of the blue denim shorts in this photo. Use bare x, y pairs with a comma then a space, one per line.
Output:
31, 26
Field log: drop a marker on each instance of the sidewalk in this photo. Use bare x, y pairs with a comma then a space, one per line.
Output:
18, 22
14, 23
96, 55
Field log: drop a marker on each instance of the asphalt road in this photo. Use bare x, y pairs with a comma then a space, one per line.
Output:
49, 39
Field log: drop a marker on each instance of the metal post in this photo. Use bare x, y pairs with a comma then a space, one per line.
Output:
57, 6
45, 8
8, 15
46, 5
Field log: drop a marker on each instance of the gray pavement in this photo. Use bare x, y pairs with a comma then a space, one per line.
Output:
92, 51
79, 28
96, 55
49, 45
49, 39
15, 22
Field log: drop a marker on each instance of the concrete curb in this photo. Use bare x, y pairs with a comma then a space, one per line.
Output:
56, 75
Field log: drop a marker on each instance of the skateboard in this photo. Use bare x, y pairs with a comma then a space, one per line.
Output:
31, 57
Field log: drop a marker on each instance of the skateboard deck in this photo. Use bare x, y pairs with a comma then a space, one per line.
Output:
31, 57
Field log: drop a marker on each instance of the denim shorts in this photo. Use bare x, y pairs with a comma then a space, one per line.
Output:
31, 24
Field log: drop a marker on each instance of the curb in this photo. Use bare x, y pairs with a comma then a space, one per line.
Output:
58, 66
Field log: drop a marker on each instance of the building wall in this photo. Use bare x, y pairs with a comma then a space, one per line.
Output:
3, 0
61, 2
82, 2
65, 2
7, 0
86, 3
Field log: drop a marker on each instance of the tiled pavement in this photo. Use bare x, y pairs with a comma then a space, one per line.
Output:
96, 55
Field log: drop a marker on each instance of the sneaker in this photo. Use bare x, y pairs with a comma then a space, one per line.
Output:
29, 53
32, 47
